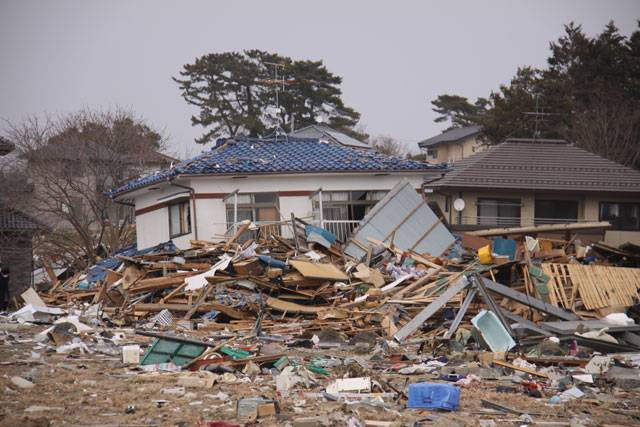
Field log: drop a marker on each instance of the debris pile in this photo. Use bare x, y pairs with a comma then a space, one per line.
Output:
404, 323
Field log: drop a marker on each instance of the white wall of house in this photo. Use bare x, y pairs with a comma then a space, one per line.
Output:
451, 151
210, 210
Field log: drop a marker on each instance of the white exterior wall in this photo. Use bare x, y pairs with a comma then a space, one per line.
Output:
210, 212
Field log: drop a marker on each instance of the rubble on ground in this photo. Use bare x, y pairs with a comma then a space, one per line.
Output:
262, 329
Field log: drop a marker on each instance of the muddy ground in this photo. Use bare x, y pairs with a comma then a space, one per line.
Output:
98, 389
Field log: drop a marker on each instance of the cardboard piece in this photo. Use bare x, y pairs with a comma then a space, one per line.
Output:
350, 384
30, 296
369, 275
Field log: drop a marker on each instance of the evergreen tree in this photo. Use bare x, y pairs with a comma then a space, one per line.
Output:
236, 94
590, 91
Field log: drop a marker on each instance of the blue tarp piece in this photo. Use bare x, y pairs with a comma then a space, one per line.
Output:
99, 270
272, 262
505, 247
329, 236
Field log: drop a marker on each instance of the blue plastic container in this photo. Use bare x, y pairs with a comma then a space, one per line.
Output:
434, 396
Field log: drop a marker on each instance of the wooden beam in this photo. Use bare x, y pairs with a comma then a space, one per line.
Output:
541, 228
203, 308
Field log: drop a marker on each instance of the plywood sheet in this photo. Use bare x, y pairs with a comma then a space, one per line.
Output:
315, 270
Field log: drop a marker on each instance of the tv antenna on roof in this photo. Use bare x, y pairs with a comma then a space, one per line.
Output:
279, 83
539, 115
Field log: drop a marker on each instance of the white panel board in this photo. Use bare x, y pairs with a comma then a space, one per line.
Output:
399, 211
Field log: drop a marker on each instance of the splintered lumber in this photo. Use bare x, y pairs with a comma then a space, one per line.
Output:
413, 255
182, 308
155, 284
529, 301
314, 270
541, 228
431, 309
598, 286
199, 301
241, 230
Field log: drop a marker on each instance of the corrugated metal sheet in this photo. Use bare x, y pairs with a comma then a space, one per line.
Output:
404, 211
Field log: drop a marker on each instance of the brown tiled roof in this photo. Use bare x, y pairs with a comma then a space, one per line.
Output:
540, 165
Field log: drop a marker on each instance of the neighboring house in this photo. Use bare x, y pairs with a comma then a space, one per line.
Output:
89, 169
523, 182
325, 133
265, 181
17, 231
452, 145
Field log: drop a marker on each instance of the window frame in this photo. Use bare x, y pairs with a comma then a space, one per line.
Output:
555, 220
432, 152
620, 227
499, 219
347, 208
253, 208
184, 221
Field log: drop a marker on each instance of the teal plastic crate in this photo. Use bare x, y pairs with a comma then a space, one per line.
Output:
165, 350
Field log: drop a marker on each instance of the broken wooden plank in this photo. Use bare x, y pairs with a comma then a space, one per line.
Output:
203, 308
518, 368
233, 238
199, 301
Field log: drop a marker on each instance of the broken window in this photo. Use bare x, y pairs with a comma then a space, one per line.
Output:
499, 211
260, 208
622, 216
179, 219
346, 205
555, 211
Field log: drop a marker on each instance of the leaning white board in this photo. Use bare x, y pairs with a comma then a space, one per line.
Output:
400, 207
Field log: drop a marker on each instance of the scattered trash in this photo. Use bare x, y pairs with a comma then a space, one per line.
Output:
260, 325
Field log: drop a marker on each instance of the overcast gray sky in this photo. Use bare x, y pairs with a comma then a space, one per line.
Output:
395, 57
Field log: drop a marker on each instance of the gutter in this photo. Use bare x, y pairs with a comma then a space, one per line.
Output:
192, 196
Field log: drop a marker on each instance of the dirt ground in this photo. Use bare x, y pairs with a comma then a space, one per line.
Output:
98, 389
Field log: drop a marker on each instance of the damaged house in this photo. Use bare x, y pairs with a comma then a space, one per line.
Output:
265, 181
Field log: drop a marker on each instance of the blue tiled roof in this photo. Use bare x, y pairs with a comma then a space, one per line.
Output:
11, 219
99, 270
240, 155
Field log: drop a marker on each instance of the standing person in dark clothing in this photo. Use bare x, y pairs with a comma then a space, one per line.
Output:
4, 288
